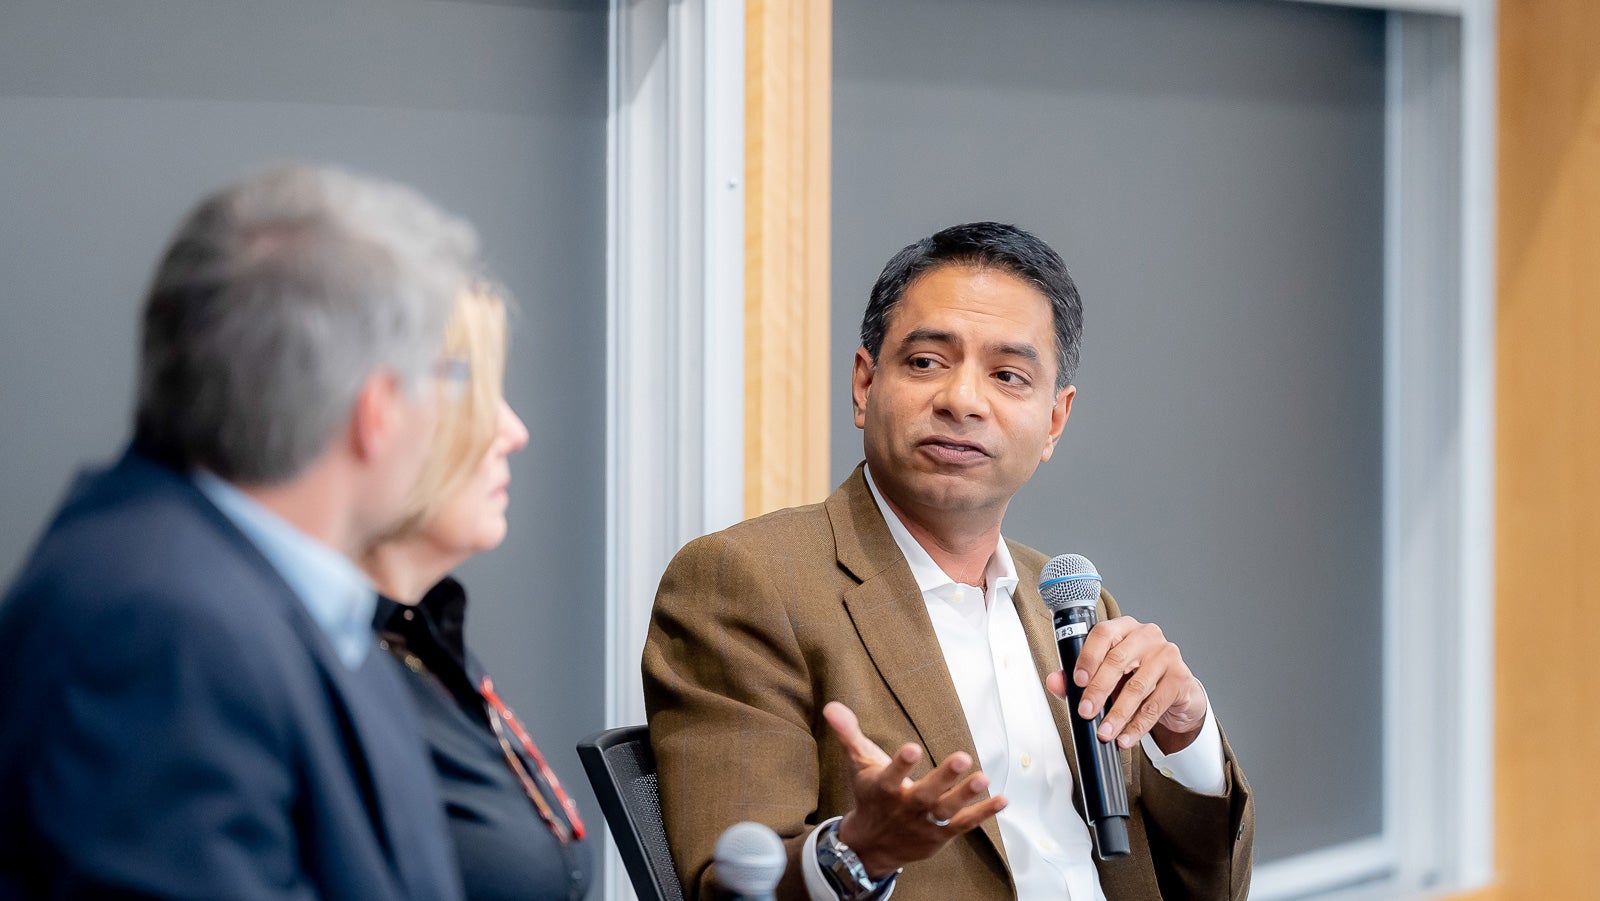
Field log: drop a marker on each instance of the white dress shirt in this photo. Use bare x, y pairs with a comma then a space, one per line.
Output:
1047, 843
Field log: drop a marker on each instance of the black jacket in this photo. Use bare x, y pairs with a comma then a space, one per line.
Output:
505, 850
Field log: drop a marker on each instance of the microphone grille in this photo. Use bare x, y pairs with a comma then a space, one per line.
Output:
750, 859
1069, 580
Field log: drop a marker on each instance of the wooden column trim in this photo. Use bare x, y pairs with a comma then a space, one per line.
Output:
788, 117
1547, 471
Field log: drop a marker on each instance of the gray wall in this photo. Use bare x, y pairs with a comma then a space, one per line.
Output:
1212, 171
115, 117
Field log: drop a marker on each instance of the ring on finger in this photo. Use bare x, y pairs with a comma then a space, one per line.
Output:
936, 821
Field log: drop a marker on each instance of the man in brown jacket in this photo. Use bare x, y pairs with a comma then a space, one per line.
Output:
787, 652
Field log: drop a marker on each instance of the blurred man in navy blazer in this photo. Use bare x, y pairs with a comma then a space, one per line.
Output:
193, 707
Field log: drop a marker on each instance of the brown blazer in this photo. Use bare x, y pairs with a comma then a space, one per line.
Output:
755, 628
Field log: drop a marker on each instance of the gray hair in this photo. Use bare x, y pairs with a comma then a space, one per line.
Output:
276, 300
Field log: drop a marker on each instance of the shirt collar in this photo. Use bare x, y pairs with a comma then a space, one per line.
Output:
442, 612
337, 594
1001, 571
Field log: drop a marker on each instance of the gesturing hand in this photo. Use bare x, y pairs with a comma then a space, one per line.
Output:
894, 819
1133, 668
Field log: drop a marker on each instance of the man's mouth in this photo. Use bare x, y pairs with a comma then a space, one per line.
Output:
954, 450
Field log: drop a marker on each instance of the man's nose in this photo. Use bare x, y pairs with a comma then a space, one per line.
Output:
962, 394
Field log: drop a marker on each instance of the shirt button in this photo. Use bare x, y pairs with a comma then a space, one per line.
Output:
1026, 760
1166, 771
408, 614
1046, 845
959, 597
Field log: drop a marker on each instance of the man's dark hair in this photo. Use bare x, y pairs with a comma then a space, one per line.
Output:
982, 245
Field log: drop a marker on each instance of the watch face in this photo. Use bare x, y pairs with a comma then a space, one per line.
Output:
843, 868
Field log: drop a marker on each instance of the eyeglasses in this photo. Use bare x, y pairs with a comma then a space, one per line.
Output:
502, 720
455, 373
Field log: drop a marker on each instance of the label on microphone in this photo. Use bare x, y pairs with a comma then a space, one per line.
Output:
1070, 630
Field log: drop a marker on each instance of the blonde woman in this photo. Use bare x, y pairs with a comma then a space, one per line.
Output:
517, 834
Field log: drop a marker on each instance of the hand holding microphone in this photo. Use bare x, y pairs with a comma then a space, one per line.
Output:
1158, 693
1126, 666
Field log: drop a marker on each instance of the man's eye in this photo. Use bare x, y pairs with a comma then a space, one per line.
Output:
921, 363
1011, 378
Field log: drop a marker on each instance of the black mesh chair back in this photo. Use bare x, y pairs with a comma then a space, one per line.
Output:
622, 769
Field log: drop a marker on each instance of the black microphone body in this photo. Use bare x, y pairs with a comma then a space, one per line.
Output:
1071, 589
1105, 796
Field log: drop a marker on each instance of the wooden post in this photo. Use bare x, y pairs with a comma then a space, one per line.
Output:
1547, 492
788, 109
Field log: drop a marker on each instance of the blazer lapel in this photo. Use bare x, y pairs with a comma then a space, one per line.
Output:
892, 620
378, 726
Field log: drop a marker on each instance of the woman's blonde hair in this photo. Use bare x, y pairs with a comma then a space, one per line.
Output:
475, 355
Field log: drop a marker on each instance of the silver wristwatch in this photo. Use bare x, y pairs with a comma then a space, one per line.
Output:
845, 873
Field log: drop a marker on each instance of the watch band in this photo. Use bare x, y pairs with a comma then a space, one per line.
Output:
845, 873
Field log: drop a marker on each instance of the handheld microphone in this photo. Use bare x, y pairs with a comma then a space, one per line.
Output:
750, 861
1071, 589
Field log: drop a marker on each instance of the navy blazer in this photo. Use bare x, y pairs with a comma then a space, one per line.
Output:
174, 724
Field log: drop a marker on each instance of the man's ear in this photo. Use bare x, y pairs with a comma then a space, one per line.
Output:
861, 373
373, 419
1058, 419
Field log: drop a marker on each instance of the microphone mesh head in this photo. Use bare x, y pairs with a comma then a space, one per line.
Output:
750, 859
1069, 580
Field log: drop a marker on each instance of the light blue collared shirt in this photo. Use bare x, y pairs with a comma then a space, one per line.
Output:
338, 595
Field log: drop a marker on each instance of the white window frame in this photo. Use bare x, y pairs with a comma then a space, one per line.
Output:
674, 313
1438, 817
675, 376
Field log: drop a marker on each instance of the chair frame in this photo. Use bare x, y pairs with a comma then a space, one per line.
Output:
648, 881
